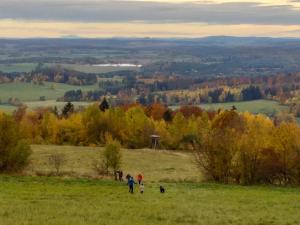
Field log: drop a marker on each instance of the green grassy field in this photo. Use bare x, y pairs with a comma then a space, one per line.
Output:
17, 67
53, 103
258, 106
52, 201
31, 92
48, 103
266, 107
7, 108
67, 201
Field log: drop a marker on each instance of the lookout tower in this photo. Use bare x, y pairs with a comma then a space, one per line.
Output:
155, 141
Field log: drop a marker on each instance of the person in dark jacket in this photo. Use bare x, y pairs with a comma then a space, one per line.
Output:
131, 183
128, 177
120, 175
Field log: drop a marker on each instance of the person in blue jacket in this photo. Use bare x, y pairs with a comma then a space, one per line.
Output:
131, 183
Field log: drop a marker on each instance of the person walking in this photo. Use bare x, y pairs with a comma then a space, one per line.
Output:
131, 183
140, 178
120, 175
142, 188
128, 177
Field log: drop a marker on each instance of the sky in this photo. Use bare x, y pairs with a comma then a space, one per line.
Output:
149, 18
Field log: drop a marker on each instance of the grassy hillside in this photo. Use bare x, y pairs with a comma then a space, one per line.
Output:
31, 92
155, 165
54, 201
68, 201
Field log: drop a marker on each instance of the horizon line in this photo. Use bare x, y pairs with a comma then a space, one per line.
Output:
146, 37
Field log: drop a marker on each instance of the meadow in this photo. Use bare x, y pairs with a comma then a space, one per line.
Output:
67, 200
30, 94
33, 92
32, 105
7, 108
155, 165
17, 67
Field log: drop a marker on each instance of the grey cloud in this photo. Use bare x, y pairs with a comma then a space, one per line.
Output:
151, 12
297, 31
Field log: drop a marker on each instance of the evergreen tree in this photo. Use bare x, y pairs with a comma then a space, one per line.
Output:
68, 109
104, 105
168, 117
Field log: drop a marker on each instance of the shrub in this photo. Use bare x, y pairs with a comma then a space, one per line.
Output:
57, 160
112, 156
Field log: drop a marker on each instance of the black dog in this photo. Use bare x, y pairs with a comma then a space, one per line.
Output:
162, 189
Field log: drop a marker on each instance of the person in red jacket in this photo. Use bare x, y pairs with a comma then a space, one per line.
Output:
140, 178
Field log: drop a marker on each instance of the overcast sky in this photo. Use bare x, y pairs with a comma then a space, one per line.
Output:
155, 18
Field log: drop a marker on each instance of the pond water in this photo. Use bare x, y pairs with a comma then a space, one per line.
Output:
118, 65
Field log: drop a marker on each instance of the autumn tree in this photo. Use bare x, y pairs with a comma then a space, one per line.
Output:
70, 130
220, 145
256, 138
156, 111
177, 130
112, 156
49, 128
287, 145
19, 113
94, 126
139, 128
189, 111
116, 123
14, 151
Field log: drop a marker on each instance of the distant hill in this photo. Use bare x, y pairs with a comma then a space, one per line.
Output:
207, 56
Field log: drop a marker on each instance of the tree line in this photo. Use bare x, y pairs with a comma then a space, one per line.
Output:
229, 146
